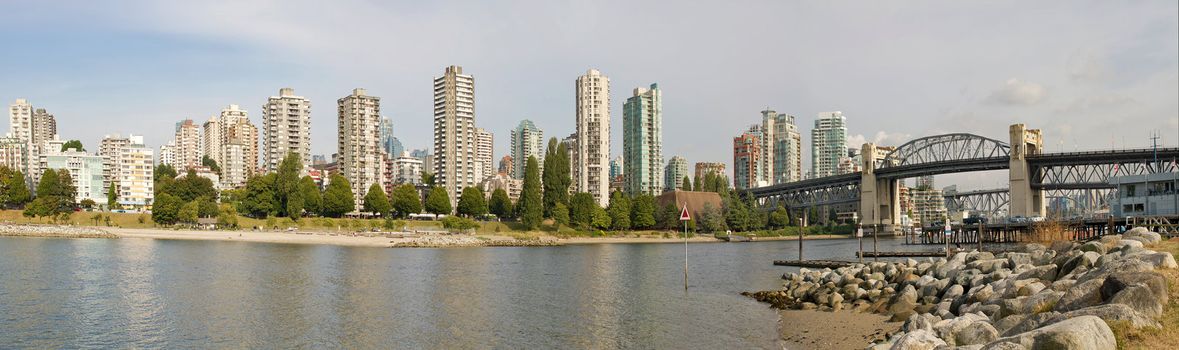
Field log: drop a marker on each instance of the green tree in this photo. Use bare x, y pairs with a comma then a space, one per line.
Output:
619, 211
258, 199
211, 164
87, 203
581, 210
642, 214
530, 208
165, 209
556, 176
75, 144
500, 204
376, 202
438, 202
47, 186
696, 184
561, 215
779, 218
187, 188
227, 216
711, 219
428, 178
14, 192
112, 196
188, 213
406, 200
687, 186
472, 203
312, 198
286, 186
737, 215
668, 217
601, 220
163, 171
206, 207
337, 198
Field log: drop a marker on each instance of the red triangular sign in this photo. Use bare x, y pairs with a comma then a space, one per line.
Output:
684, 214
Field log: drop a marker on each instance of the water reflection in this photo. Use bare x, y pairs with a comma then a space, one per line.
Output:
179, 294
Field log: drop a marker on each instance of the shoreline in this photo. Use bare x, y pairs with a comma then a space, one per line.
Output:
846, 329
351, 239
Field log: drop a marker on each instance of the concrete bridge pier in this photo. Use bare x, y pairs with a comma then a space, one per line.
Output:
879, 198
1025, 201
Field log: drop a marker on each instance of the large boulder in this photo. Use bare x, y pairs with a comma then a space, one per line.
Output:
1140, 298
1084, 332
903, 304
987, 265
1093, 247
1086, 259
1041, 302
977, 333
1046, 272
1116, 282
1110, 313
1143, 235
1160, 260
1032, 322
1115, 266
1081, 295
1016, 259
918, 340
920, 321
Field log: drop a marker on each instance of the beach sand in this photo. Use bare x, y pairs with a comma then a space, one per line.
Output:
809, 329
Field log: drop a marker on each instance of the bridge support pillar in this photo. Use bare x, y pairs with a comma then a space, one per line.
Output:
879, 198
1025, 201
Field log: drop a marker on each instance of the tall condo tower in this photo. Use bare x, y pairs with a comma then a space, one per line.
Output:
642, 141
591, 161
455, 143
286, 124
361, 159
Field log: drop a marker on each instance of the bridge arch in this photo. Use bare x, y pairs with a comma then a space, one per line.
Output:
944, 148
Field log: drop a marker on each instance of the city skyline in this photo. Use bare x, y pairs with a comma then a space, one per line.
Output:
1076, 86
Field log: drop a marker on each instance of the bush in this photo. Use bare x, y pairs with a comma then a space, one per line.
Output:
459, 223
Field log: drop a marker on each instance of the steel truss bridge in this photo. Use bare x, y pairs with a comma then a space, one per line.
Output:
1058, 174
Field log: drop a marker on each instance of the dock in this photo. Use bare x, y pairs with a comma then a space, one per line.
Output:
830, 264
734, 238
902, 254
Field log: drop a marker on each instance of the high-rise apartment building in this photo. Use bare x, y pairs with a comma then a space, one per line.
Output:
484, 154
286, 124
130, 164
642, 141
703, 168
456, 155
186, 145
781, 153
746, 159
111, 150
86, 171
211, 140
44, 126
387, 139
237, 129
828, 143
527, 141
361, 159
20, 120
616, 167
168, 155
674, 173
592, 152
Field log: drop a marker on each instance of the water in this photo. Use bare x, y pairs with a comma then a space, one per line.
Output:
98, 293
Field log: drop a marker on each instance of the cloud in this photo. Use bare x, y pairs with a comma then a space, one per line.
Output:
880, 139
1017, 92
1084, 66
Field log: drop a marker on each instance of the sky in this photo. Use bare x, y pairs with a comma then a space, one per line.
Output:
1090, 74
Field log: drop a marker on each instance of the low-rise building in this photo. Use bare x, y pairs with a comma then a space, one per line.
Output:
505, 182
1145, 195
85, 171
135, 174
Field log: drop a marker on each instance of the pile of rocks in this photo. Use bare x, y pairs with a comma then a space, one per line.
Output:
1061, 296
442, 241
61, 231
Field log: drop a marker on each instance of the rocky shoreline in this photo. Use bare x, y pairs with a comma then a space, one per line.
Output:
53, 231
1063, 296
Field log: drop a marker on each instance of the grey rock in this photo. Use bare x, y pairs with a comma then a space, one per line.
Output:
918, 340
1042, 302
1128, 243
1140, 298
920, 321
1034, 247
1030, 288
1143, 235
1084, 332
1009, 322
1108, 312
1032, 322
1116, 282
1093, 247
1081, 295
953, 292
1046, 272
1062, 285
977, 333
1161, 260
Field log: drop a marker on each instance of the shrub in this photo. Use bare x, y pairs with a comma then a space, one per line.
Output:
459, 223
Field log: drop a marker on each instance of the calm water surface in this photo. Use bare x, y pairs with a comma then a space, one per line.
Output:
98, 293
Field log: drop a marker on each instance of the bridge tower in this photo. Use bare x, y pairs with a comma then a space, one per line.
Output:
879, 199
1025, 201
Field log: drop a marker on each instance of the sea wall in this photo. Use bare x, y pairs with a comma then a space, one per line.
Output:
1063, 296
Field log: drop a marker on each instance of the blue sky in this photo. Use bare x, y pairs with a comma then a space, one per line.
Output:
1090, 73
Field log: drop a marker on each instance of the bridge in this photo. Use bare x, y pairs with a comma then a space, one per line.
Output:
874, 191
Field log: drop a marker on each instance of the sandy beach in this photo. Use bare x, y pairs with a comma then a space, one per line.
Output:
350, 239
811, 329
